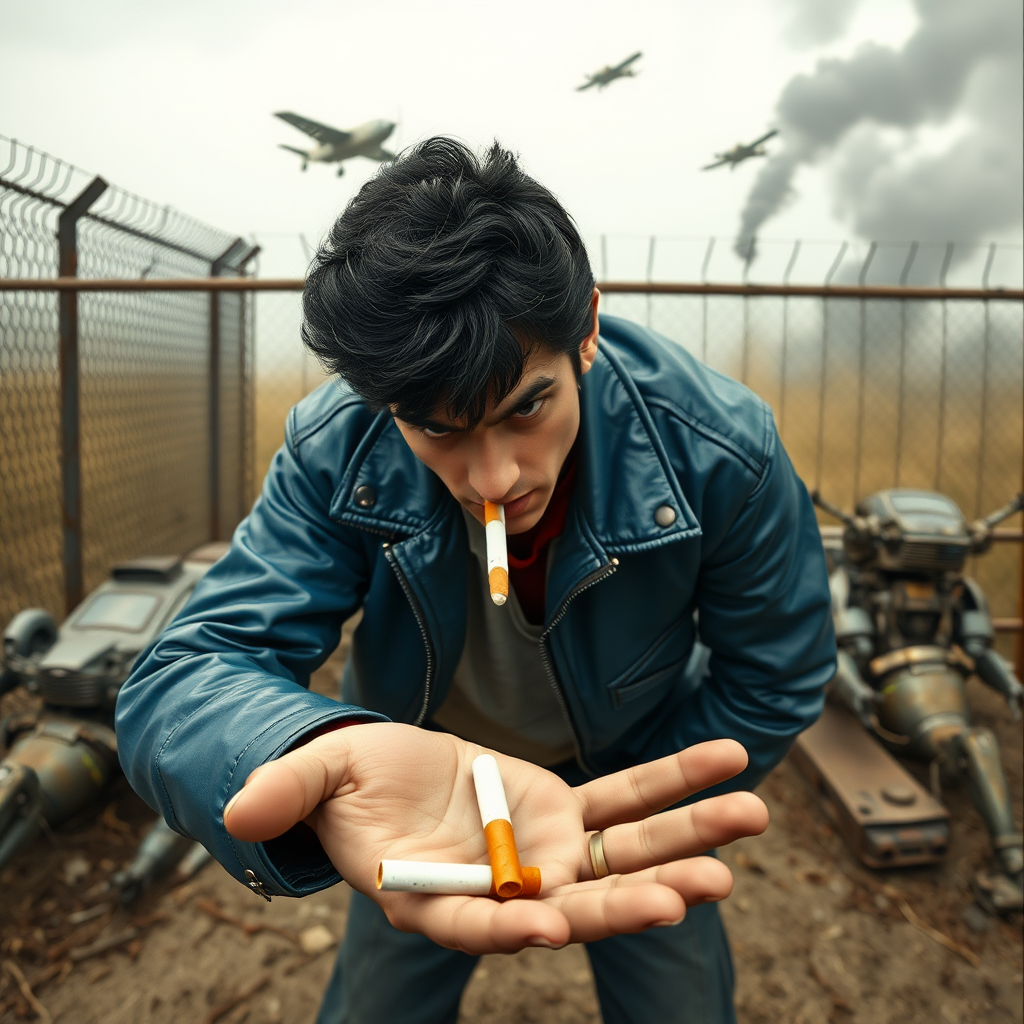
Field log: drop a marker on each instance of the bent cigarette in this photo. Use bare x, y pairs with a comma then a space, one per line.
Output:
447, 879
501, 841
497, 551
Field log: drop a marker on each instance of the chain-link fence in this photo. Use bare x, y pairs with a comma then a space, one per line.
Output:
111, 404
871, 388
868, 393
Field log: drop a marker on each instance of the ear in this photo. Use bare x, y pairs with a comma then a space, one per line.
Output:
588, 347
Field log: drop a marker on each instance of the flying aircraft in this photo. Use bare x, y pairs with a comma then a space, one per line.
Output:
739, 152
336, 145
610, 73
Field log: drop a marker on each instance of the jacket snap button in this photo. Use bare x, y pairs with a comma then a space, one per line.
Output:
665, 515
366, 497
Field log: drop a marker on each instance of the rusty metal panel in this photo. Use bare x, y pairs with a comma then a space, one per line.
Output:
886, 816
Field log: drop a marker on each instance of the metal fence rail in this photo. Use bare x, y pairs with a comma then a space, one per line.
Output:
124, 418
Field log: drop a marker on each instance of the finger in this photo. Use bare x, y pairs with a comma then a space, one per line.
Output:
278, 795
615, 908
683, 832
480, 925
637, 792
696, 879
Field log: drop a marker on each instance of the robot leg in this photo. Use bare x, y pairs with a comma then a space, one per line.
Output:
978, 753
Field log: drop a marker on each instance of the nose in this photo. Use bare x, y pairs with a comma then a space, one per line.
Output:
493, 469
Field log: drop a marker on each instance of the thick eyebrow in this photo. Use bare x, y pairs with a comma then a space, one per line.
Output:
516, 402
527, 395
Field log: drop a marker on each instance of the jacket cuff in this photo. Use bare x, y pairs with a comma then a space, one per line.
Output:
294, 863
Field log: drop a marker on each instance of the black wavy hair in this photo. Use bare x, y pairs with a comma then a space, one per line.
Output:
440, 277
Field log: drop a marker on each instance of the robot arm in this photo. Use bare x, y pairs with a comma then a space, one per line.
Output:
849, 688
855, 639
975, 634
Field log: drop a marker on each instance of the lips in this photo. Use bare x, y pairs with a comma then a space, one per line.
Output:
518, 506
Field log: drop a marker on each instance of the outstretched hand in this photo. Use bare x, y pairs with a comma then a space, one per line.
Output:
381, 790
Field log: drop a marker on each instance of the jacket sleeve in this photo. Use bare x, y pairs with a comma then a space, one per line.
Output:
764, 612
225, 688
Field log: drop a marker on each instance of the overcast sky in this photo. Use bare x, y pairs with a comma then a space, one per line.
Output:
174, 101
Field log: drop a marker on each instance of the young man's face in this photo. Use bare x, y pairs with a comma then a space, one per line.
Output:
514, 454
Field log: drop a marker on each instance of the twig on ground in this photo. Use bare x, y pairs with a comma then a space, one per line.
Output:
215, 910
112, 821
84, 916
102, 945
837, 1000
26, 990
47, 973
229, 1004
933, 933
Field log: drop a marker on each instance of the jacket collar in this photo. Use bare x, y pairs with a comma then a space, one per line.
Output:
625, 475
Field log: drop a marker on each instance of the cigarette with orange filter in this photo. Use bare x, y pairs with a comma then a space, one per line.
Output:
501, 841
497, 551
447, 879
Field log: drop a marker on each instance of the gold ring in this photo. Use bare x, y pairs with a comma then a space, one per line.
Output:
597, 861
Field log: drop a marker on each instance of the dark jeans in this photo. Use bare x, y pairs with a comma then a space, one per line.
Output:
677, 975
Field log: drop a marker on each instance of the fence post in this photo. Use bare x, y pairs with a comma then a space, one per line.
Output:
244, 396
70, 420
216, 268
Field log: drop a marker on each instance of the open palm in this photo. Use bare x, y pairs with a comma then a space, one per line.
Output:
381, 790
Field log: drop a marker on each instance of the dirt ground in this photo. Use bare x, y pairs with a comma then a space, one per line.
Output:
815, 937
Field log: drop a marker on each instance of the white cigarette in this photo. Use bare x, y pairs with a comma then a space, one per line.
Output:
446, 879
497, 822
490, 791
497, 551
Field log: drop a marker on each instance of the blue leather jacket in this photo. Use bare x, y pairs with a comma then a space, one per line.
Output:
350, 519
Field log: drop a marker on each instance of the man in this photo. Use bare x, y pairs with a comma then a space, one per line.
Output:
642, 492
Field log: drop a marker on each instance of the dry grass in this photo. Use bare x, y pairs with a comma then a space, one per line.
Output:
145, 486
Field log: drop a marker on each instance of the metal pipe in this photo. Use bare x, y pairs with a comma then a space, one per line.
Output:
70, 420
297, 284
650, 276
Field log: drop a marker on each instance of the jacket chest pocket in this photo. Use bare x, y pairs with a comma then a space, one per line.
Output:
658, 669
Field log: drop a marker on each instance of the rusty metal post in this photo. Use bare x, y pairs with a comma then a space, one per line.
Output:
216, 268
70, 419
1020, 606
244, 384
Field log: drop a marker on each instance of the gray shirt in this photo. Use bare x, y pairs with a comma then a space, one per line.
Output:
501, 696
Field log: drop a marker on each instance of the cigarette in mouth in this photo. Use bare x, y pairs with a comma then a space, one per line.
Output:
497, 551
501, 841
447, 879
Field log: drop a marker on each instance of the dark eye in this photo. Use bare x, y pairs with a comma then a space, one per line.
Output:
524, 412
428, 432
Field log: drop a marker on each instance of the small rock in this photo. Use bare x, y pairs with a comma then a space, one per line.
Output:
818, 915
743, 904
315, 940
975, 918
76, 869
880, 901
833, 933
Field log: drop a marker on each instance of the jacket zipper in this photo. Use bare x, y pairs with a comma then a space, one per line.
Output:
417, 612
585, 584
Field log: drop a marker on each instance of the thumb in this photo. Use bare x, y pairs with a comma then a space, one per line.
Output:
278, 795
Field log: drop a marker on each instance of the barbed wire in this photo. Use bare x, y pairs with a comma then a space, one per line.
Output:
28, 172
